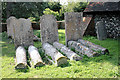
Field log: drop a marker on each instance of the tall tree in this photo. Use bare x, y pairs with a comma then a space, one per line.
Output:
75, 6
23, 9
80, 6
55, 6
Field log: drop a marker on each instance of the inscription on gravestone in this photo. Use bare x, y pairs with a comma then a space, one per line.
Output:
49, 29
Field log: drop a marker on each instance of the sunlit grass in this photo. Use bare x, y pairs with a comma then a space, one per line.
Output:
104, 66
1, 42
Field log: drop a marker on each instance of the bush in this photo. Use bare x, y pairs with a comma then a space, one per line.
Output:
32, 19
51, 12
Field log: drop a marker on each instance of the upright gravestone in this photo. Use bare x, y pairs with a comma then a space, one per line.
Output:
23, 33
10, 26
49, 29
73, 27
101, 30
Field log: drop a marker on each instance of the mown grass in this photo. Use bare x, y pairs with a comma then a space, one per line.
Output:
104, 66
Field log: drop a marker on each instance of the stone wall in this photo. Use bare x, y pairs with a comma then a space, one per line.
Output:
112, 23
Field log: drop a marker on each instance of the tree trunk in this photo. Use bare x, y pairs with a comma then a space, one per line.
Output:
81, 49
36, 59
54, 54
94, 47
70, 54
21, 61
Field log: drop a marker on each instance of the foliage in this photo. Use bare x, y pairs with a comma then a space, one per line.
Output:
69, 7
104, 66
27, 9
51, 12
80, 7
35, 9
61, 13
55, 6
75, 6
23, 9
4, 15
32, 19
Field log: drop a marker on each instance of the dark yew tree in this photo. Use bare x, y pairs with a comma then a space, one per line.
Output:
55, 6
23, 9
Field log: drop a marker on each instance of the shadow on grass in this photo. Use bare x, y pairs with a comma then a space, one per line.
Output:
23, 70
65, 65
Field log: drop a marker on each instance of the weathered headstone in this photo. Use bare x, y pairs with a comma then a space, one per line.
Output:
10, 26
23, 35
49, 29
73, 27
101, 30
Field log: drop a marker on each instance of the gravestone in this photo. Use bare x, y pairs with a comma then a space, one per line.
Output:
36, 60
73, 26
10, 26
23, 35
49, 29
101, 30
21, 61
56, 57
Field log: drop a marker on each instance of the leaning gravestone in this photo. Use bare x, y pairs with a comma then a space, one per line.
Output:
101, 30
10, 26
23, 35
49, 29
73, 27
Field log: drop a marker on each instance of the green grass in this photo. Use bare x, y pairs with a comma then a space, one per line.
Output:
104, 66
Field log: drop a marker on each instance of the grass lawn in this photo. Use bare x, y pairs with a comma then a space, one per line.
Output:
104, 66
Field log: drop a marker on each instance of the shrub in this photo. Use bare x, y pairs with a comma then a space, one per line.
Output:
51, 12
32, 19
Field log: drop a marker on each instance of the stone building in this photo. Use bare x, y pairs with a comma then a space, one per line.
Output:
107, 12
